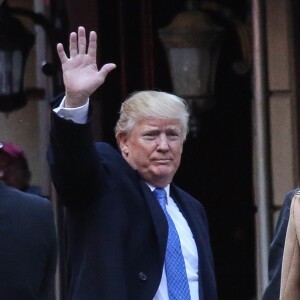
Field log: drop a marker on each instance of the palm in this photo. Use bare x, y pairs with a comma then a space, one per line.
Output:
80, 72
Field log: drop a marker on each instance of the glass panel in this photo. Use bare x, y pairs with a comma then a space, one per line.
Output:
16, 71
10, 72
190, 69
4, 86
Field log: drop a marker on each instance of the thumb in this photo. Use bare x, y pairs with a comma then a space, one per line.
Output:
106, 69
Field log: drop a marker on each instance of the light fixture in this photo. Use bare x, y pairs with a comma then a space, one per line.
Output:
15, 44
192, 43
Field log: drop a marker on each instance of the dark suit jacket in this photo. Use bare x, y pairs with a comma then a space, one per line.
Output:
117, 230
272, 291
27, 245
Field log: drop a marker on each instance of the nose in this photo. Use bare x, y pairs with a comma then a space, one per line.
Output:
162, 143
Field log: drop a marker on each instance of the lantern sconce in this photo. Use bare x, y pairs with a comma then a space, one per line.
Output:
16, 42
192, 43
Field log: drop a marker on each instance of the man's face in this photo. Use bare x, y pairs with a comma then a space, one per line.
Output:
154, 148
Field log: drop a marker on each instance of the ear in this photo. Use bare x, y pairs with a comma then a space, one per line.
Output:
122, 139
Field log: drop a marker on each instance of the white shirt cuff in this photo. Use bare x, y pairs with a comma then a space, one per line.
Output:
76, 114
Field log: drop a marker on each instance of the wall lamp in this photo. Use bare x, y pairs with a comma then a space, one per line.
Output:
192, 43
16, 42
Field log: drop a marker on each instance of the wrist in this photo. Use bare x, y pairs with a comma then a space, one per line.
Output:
72, 101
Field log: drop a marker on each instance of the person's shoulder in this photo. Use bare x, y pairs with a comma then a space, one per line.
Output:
107, 151
105, 147
186, 196
24, 203
292, 192
289, 196
29, 198
43, 201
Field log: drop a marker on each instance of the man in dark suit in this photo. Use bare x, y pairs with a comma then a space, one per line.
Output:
119, 235
28, 243
272, 291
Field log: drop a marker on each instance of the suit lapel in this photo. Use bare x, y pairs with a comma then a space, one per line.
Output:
189, 214
159, 220
198, 228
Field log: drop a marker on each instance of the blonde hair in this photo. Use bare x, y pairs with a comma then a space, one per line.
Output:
152, 104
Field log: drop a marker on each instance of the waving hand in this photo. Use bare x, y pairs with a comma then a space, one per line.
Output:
80, 72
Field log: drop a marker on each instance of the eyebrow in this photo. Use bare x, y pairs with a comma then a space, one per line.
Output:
155, 128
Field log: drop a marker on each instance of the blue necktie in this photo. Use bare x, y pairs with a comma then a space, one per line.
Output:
178, 287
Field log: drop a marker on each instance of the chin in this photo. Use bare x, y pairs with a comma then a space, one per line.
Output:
163, 179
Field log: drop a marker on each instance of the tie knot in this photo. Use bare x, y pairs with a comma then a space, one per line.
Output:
161, 195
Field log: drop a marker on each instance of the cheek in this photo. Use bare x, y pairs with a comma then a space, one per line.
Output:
137, 157
177, 155
177, 149
143, 156
142, 150
177, 161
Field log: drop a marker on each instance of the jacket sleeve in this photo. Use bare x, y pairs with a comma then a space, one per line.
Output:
73, 161
272, 291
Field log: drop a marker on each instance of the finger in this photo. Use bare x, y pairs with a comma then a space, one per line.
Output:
81, 40
61, 53
92, 48
107, 68
73, 44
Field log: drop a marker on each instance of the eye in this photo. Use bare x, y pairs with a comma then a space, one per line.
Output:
173, 135
149, 136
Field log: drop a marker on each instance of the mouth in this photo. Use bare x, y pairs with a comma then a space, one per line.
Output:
163, 161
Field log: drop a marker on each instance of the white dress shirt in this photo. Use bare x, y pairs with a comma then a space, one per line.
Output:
189, 249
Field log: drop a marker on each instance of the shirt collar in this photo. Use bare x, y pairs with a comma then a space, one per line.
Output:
167, 188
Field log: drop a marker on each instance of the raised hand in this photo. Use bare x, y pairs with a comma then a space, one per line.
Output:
80, 72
